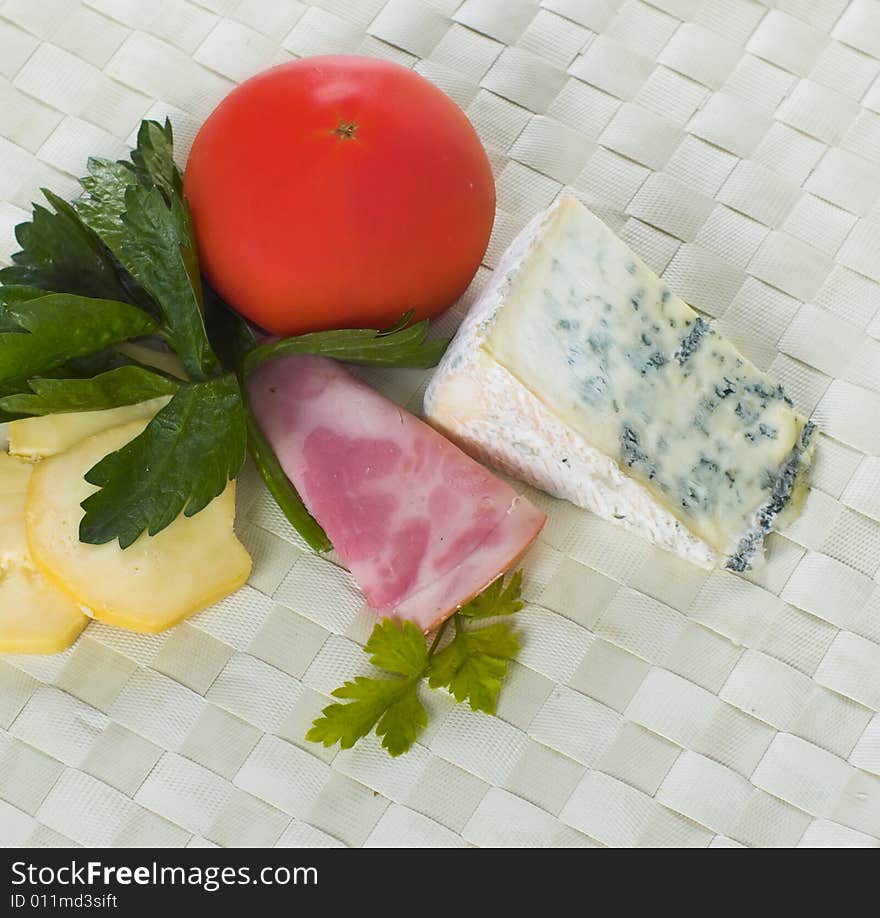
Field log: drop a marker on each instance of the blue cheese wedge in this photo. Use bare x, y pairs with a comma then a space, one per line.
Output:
579, 371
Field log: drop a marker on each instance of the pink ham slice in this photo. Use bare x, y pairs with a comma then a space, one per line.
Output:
420, 525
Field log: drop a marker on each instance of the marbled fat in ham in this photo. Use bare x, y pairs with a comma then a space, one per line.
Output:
421, 526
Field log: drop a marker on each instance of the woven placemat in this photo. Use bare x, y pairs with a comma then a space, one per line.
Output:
735, 145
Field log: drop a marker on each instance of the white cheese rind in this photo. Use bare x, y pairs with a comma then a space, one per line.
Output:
508, 391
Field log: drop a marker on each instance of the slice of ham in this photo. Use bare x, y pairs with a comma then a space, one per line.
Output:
421, 526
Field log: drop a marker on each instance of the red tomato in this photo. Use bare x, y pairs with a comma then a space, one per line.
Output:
336, 192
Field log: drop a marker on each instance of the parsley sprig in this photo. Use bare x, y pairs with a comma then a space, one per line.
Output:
403, 345
471, 667
121, 263
124, 385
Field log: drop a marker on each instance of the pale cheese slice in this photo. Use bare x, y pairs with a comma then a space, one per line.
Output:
38, 437
155, 582
35, 616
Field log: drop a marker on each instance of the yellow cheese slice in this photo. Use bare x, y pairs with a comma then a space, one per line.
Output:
35, 438
154, 583
14, 477
13, 542
14, 474
35, 615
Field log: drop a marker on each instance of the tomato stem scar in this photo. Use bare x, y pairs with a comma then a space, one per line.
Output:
345, 129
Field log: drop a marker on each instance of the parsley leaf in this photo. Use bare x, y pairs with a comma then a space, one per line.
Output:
7, 389
10, 295
399, 649
281, 488
102, 204
153, 159
402, 721
126, 385
19, 293
232, 337
92, 364
154, 244
60, 326
496, 599
472, 666
181, 462
77, 368
392, 706
160, 254
398, 346
153, 165
59, 253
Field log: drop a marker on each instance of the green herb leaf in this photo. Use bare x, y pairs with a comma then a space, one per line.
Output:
396, 347
181, 462
78, 367
159, 255
399, 325
60, 254
17, 293
10, 295
153, 159
102, 204
230, 335
126, 385
92, 364
399, 649
496, 599
102, 207
402, 722
232, 338
154, 244
7, 389
61, 326
392, 706
286, 496
473, 665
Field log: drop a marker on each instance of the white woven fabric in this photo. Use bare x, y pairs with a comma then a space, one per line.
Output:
736, 146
